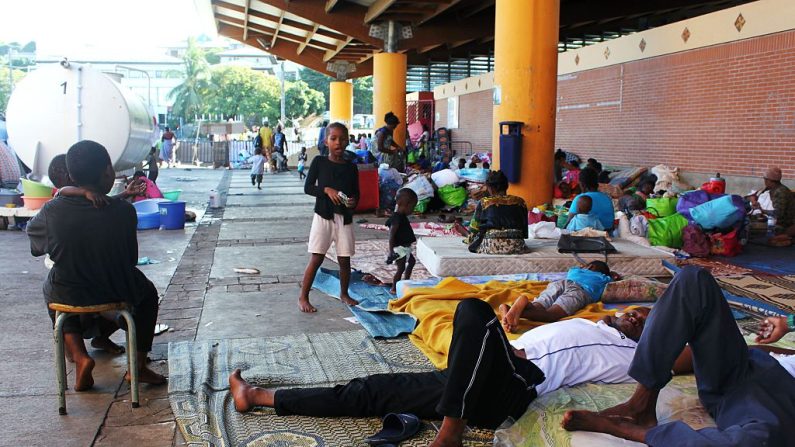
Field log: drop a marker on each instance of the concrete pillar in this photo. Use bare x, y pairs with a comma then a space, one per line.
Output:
525, 82
389, 91
341, 102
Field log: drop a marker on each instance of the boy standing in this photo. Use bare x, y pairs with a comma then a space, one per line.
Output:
401, 236
335, 184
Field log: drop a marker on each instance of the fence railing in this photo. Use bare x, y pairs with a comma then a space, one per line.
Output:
223, 152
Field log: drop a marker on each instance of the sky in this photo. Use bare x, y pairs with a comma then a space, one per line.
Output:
61, 26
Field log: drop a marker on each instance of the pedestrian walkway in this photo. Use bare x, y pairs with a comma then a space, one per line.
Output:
202, 298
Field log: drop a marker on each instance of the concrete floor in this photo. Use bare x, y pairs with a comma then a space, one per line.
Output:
202, 298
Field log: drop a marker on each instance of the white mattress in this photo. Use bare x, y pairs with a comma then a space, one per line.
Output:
448, 256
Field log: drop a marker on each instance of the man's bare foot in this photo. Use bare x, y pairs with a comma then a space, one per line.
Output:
83, 378
451, 433
246, 396
637, 413
303, 304
512, 316
393, 291
589, 421
146, 375
503, 312
105, 344
348, 300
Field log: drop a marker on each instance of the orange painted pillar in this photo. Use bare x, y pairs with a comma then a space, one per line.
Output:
389, 91
525, 83
341, 102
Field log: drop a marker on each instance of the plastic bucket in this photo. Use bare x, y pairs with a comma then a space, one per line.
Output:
34, 203
33, 189
172, 215
172, 195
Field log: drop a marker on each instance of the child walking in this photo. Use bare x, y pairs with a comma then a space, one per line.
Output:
301, 163
257, 167
401, 236
561, 299
335, 184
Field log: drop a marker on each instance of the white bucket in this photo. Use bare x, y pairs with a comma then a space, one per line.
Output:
215, 199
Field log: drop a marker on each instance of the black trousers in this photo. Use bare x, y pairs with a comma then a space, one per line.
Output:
484, 382
257, 178
750, 395
144, 313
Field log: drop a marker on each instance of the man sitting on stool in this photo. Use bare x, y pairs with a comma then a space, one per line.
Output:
95, 251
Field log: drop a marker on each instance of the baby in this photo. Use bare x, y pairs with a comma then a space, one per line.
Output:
563, 298
583, 217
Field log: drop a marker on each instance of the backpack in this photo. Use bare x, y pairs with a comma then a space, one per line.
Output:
258, 141
696, 243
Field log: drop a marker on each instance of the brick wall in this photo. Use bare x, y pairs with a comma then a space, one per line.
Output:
728, 108
474, 119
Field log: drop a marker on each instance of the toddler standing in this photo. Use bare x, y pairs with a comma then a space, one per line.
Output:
335, 184
401, 236
301, 163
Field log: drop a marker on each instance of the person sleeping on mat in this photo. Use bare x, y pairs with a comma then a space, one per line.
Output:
487, 380
561, 299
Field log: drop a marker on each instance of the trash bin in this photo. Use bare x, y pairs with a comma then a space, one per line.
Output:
511, 149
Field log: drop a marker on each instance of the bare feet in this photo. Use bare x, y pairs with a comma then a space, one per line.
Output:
589, 421
105, 344
393, 290
246, 396
83, 379
146, 375
451, 433
510, 315
637, 411
348, 300
305, 306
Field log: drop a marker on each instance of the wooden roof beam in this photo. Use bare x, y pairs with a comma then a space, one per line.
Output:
310, 57
263, 30
479, 8
439, 10
309, 36
330, 4
348, 21
275, 19
331, 53
276, 31
245, 18
376, 9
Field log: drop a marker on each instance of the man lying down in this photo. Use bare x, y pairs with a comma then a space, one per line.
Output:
489, 378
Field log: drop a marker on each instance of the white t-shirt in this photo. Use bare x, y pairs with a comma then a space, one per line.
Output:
257, 164
787, 361
575, 351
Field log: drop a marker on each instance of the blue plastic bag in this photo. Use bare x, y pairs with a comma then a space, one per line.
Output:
718, 213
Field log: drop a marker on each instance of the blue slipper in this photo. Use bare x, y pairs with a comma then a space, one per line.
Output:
396, 427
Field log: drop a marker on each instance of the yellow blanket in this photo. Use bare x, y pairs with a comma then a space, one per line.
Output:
435, 306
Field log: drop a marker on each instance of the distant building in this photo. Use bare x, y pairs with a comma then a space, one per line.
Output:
259, 60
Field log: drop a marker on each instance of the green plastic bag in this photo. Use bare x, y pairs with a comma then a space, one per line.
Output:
422, 206
453, 195
667, 231
412, 157
663, 206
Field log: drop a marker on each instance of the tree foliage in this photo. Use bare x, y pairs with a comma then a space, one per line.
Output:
241, 91
362, 89
5, 88
188, 96
301, 101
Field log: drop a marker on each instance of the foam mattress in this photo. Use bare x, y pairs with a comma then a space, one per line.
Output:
448, 256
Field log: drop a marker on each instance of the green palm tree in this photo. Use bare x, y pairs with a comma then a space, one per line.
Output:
189, 96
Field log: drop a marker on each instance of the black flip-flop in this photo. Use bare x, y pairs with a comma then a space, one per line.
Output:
396, 427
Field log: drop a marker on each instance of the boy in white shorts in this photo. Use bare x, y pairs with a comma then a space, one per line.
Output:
335, 184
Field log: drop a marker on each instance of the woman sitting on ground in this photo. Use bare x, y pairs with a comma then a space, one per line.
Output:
602, 204
499, 225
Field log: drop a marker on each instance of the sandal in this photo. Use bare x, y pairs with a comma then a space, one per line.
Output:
396, 427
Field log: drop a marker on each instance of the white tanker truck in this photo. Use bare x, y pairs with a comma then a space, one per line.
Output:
56, 106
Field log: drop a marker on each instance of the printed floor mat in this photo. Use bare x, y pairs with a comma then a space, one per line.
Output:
776, 290
370, 257
204, 410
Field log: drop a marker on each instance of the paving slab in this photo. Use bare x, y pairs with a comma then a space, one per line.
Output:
152, 435
269, 313
289, 259
268, 198
282, 212
265, 230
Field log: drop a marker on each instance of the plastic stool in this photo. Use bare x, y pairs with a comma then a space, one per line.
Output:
64, 311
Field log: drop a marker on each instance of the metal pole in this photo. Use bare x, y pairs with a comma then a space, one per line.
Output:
281, 75
10, 70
